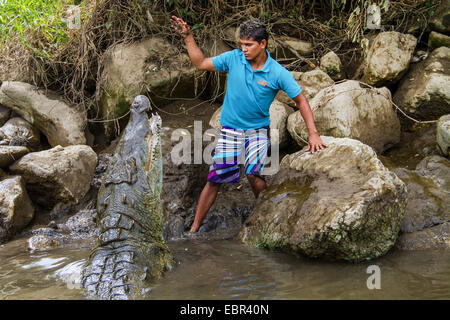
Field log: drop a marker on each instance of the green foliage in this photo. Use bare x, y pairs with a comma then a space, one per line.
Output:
36, 23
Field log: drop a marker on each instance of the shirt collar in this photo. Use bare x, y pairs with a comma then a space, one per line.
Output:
266, 66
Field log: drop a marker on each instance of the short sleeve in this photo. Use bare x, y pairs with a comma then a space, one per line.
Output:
288, 84
222, 62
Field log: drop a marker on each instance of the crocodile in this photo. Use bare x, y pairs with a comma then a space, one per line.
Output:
130, 248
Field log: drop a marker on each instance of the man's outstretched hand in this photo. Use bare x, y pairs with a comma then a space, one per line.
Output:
180, 26
315, 143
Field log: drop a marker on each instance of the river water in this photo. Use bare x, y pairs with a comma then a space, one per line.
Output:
227, 269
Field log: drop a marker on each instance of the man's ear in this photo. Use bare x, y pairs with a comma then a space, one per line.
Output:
264, 43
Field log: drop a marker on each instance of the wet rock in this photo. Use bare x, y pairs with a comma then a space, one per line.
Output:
20, 132
5, 114
148, 66
413, 147
57, 174
44, 239
9, 154
388, 58
424, 92
437, 237
351, 110
82, 225
311, 83
428, 188
443, 134
332, 65
339, 203
60, 123
16, 209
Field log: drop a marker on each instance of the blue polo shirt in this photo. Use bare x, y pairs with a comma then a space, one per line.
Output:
251, 92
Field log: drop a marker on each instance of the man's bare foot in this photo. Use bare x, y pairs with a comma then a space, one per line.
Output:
194, 229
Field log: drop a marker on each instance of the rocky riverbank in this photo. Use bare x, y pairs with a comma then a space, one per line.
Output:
341, 203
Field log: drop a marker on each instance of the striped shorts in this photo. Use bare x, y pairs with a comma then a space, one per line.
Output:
227, 157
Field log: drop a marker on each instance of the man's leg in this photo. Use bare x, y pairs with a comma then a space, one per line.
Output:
257, 184
256, 148
205, 201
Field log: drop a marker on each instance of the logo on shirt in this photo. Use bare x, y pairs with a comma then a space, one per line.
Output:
263, 83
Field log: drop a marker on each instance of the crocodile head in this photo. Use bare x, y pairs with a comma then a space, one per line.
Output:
140, 104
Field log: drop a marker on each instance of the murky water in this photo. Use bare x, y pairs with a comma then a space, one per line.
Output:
226, 269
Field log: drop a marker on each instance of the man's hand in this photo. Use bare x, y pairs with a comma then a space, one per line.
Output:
181, 27
315, 143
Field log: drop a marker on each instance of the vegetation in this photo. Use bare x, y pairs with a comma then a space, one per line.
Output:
36, 43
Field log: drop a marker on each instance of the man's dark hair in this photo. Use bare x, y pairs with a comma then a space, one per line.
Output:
255, 29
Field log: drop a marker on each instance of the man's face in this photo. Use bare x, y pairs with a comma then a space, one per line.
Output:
252, 48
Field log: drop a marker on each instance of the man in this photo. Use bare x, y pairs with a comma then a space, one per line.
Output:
254, 79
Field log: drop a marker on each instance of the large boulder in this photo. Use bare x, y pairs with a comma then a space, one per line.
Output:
19, 132
424, 93
428, 188
351, 110
9, 154
16, 209
61, 123
332, 65
443, 134
60, 174
311, 83
339, 203
153, 67
279, 113
388, 58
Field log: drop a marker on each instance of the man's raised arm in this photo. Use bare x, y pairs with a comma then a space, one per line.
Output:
195, 54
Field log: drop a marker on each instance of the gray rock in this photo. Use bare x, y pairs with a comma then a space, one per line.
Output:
388, 58
428, 189
60, 123
287, 47
351, 110
311, 83
146, 67
443, 134
424, 92
339, 203
437, 237
82, 225
9, 154
16, 209
57, 174
20, 132
332, 65
43, 239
